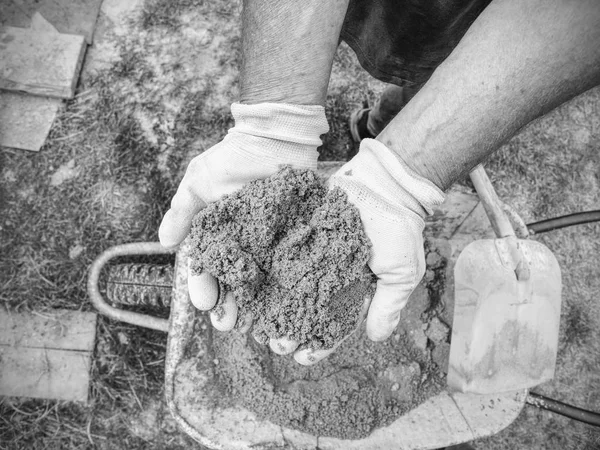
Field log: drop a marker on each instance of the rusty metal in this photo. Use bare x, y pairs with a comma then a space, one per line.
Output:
140, 284
138, 248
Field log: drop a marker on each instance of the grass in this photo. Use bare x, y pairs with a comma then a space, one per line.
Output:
124, 181
130, 133
550, 169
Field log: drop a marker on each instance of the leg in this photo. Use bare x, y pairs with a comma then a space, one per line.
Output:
390, 103
369, 122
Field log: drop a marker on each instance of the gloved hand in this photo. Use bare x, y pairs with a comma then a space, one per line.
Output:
265, 137
392, 201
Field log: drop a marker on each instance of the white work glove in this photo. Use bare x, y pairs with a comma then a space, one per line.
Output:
265, 137
392, 201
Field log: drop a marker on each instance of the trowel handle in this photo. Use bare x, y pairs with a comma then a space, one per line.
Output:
499, 220
493, 207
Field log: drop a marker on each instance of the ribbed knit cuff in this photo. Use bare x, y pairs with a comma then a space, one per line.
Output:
300, 124
424, 191
375, 173
272, 152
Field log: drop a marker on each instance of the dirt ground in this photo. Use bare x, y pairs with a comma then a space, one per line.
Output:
155, 92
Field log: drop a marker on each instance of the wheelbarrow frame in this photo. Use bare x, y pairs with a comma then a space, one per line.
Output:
446, 419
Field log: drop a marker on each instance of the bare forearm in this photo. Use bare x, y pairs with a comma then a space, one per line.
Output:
288, 48
520, 59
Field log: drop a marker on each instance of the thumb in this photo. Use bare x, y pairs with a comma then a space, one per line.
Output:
308, 356
384, 312
177, 221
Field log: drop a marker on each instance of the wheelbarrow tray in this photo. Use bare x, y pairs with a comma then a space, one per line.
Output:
446, 419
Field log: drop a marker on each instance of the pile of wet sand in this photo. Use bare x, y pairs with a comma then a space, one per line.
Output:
293, 253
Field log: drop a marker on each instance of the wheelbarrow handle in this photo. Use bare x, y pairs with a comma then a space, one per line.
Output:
138, 248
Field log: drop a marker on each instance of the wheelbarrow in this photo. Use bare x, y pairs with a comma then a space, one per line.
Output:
445, 419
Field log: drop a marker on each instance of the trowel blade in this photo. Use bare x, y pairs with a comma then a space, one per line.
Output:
505, 331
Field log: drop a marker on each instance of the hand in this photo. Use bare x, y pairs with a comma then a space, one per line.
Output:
308, 356
265, 137
392, 201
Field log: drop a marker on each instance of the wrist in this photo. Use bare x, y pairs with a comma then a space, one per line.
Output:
300, 124
421, 188
271, 153
384, 179
279, 134
282, 91
418, 162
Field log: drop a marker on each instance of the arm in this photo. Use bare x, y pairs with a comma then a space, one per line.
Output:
288, 50
519, 60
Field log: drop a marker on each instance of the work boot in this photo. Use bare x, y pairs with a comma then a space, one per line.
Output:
358, 124
369, 121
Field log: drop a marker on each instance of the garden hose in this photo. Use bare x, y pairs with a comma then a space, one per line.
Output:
563, 221
564, 409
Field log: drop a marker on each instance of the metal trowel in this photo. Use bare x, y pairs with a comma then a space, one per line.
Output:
507, 308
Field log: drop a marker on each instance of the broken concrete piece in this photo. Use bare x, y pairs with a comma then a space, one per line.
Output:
66, 16
41, 25
25, 120
46, 355
437, 330
45, 64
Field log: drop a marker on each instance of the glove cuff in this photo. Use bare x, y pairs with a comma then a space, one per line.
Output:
375, 173
299, 124
420, 188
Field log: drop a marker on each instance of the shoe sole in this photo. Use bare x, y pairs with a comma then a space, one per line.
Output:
353, 123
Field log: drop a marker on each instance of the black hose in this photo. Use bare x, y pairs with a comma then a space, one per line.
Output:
572, 412
537, 400
564, 221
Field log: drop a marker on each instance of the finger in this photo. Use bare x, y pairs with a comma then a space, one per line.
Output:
384, 312
203, 289
177, 221
259, 334
224, 315
308, 357
244, 323
283, 346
